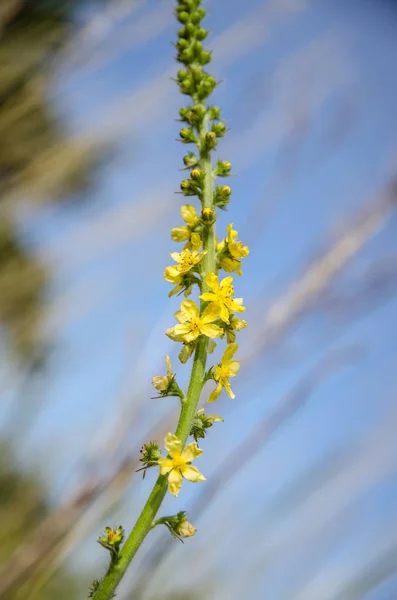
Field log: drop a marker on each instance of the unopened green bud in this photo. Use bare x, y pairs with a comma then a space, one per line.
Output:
190, 160
202, 422
223, 168
221, 196
197, 16
205, 57
182, 74
150, 454
187, 135
183, 16
214, 113
182, 44
210, 140
219, 129
201, 33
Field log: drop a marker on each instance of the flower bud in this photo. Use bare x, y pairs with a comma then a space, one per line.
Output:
187, 135
183, 17
196, 174
112, 539
178, 525
202, 422
219, 129
190, 160
210, 140
208, 216
201, 33
214, 113
150, 453
223, 168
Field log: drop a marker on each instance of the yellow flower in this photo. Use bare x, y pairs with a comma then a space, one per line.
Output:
178, 464
227, 368
185, 260
235, 324
222, 295
189, 215
194, 243
192, 324
234, 250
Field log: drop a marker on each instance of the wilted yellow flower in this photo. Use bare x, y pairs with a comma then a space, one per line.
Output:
234, 250
222, 295
222, 372
185, 529
179, 463
162, 382
235, 324
192, 324
189, 215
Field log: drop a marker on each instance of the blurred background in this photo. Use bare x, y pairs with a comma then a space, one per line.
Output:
300, 502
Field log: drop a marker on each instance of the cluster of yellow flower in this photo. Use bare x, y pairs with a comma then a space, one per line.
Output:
202, 256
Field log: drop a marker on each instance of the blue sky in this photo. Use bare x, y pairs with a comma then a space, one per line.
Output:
310, 98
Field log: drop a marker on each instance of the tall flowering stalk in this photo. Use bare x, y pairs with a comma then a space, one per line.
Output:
198, 323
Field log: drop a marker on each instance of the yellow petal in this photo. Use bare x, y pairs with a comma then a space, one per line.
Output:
226, 282
180, 234
189, 215
166, 465
211, 331
236, 305
228, 389
209, 297
192, 474
224, 313
238, 324
168, 364
215, 394
195, 242
211, 313
189, 308
212, 281
170, 332
175, 290
220, 246
230, 265
229, 352
176, 256
172, 275
183, 332
233, 366
160, 382
215, 418
175, 482
173, 445
191, 452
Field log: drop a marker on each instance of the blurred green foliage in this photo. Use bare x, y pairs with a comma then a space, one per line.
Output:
22, 506
38, 160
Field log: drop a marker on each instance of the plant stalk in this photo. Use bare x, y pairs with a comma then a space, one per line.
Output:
143, 525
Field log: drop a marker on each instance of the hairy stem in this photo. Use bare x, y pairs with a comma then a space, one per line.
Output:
188, 409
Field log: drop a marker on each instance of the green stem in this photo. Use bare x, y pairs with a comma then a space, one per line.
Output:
143, 525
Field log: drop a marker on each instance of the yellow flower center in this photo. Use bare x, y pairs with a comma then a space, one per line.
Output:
227, 290
223, 372
195, 324
186, 260
178, 462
